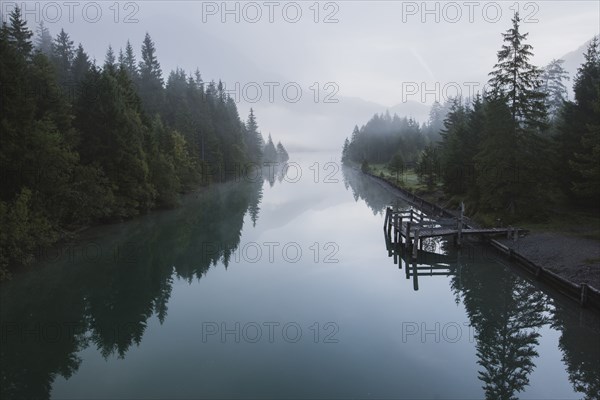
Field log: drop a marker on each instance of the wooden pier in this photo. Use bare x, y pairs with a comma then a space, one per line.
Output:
410, 227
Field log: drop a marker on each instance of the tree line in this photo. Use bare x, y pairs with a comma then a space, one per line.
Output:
84, 143
513, 151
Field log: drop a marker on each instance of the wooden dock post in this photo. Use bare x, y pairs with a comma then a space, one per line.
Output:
407, 234
397, 228
415, 252
460, 224
386, 220
415, 273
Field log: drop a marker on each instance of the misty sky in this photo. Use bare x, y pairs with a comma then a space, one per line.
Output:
374, 55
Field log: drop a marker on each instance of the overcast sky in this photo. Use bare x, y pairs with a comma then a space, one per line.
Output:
367, 55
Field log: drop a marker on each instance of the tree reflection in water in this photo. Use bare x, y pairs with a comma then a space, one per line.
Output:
104, 292
506, 311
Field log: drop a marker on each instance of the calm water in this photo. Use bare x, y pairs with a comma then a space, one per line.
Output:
283, 288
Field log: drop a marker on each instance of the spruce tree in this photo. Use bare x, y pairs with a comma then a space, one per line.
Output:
63, 53
43, 40
109, 59
254, 140
518, 80
19, 34
81, 64
556, 92
513, 154
585, 128
150, 78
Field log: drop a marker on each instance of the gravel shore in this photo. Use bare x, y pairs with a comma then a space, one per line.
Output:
574, 258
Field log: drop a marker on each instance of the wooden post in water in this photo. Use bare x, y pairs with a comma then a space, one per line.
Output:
386, 220
460, 224
407, 234
398, 227
416, 244
415, 275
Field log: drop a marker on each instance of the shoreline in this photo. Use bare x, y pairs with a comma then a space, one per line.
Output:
573, 281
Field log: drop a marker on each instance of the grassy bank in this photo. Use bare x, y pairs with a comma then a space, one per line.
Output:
584, 223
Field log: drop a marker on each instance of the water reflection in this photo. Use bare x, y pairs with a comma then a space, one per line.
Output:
102, 292
506, 311
580, 346
363, 187
105, 294
431, 260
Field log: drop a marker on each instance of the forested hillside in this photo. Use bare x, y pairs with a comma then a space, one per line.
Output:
513, 151
84, 143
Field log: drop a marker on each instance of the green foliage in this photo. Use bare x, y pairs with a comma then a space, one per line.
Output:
519, 81
428, 167
501, 153
577, 142
384, 136
83, 144
396, 165
364, 166
23, 231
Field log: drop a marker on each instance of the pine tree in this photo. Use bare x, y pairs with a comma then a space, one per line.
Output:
586, 129
513, 154
129, 62
63, 54
19, 34
428, 167
519, 81
454, 157
109, 59
150, 78
43, 40
345, 151
254, 140
497, 161
554, 88
396, 165
81, 65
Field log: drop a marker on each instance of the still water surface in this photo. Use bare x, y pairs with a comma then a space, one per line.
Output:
283, 288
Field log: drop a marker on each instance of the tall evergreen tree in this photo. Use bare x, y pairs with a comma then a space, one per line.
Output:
43, 40
129, 62
63, 53
110, 61
513, 153
254, 140
556, 92
586, 128
151, 81
518, 80
19, 34
81, 64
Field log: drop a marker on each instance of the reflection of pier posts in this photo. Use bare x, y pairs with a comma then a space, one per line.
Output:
460, 224
415, 275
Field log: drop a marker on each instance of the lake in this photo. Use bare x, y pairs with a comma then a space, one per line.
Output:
282, 287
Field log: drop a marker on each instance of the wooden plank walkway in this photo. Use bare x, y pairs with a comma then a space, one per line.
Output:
410, 227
